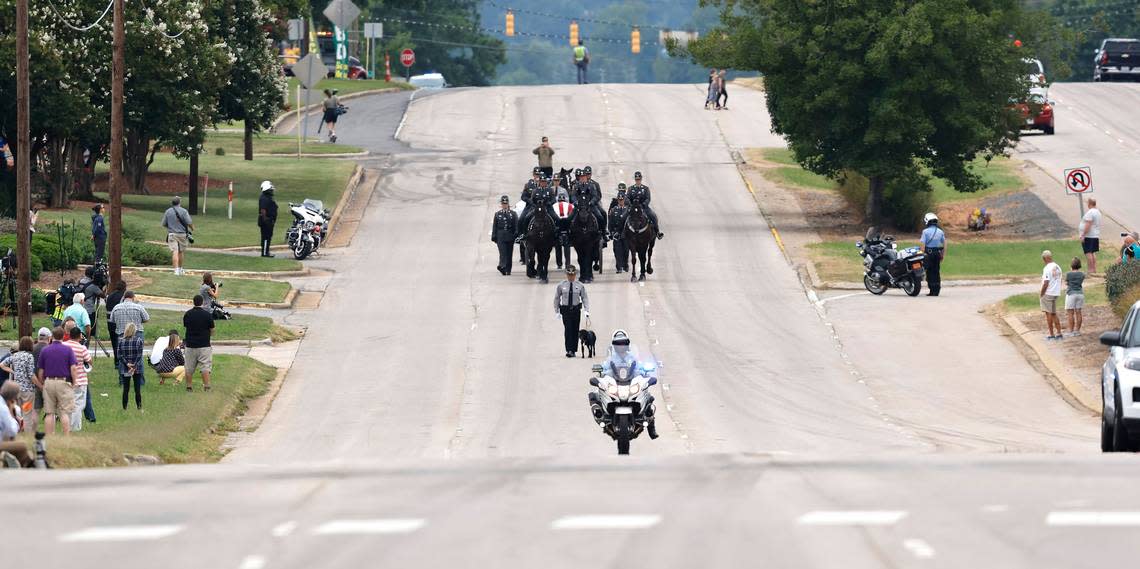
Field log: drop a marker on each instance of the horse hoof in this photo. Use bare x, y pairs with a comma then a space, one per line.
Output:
633, 278
649, 270
641, 278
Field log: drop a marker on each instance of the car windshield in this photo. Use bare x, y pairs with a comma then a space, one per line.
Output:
1033, 67
1130, 46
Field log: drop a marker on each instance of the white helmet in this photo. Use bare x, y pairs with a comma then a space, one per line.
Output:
619, 342
929, 218
267, 186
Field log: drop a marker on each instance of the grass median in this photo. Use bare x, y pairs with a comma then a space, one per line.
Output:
168, 285
177, 426
241, 327
233, 144
213, 261
1031, 301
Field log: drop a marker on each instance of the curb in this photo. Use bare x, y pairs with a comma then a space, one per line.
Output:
307, 155
311, 109
242, 343
961, 283
349, 191
1074, 388
290, 297
256, 275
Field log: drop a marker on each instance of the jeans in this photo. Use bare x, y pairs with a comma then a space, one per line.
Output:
582, 72
126, 382
100, 247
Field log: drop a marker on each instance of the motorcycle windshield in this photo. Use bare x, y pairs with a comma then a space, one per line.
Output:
314, 205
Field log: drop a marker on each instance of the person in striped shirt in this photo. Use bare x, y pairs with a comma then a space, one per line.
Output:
83, 359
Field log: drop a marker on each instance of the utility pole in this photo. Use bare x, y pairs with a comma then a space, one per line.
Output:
23, 175
118, 64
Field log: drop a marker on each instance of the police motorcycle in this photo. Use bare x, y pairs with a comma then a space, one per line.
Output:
622, 404
884, 266
309, 229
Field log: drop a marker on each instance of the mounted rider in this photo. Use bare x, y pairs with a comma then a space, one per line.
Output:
588, 196
621, 357
639, 196
541, 198
531, 185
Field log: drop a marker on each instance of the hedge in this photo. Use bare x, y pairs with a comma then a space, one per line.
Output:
1121, 286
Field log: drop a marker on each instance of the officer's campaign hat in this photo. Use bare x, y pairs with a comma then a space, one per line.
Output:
537, 170
588, 171
571, 270
505, 200
637, 175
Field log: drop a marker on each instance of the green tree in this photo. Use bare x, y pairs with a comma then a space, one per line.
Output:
887, 89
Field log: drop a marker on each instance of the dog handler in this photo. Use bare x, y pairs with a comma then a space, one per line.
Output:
570, 301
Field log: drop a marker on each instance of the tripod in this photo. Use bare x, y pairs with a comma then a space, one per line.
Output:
8, 295
94, 333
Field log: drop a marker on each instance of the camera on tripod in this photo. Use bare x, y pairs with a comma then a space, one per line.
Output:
8, 264
101, 274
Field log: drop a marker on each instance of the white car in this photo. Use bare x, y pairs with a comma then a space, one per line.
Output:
1120, 386
428, 81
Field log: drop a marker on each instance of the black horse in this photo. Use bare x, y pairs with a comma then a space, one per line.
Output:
586, 237
640, 238
565, 178
539, 242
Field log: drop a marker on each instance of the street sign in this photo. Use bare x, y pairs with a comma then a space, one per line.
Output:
408, 57
296, 29
310, 70
1078, 180
374, 30
342, 13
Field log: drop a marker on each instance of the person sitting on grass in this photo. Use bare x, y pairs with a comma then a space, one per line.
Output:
1075, 296
131, 365
173, 362
10, 427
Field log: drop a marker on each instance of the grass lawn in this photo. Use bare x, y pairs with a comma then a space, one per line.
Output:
789, 173
214, 261
840, 261
295, 179
238, 290
176, 426
1031, 301
272, 144
345, 86
241, 327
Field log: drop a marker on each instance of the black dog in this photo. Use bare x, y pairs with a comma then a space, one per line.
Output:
587, 338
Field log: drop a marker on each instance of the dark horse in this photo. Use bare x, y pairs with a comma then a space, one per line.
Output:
640, 238
586, 237
539, 242
565, 178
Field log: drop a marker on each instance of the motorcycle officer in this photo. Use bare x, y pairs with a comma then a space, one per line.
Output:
639, 195
542, 197
621, 356
934, 247
503, 230
266, 216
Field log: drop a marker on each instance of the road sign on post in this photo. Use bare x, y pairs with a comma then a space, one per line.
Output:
342, 13
309, 70
372, 31
408, 58
1078, 181
296, 29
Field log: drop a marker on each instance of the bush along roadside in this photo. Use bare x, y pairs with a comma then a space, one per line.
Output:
1122, 285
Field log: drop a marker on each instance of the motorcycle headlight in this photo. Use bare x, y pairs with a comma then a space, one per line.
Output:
612, 389
623, 392
308, 226
634, 389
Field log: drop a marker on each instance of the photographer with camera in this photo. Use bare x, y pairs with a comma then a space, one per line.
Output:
92, 291
179, 227
209, 292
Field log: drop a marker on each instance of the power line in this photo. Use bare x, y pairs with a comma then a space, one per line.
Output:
476, 28
64, 21
571, 19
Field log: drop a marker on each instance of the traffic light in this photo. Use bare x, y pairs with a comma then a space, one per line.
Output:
510, 23
574, 33
635, 41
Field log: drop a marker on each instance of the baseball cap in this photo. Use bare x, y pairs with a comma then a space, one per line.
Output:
43, 333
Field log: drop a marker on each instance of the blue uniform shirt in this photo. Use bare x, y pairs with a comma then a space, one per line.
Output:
933, 237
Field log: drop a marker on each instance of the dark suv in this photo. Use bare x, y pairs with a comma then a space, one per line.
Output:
1117, 59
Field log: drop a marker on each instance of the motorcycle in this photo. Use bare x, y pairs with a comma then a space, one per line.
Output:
622, 406
310, 226
884, 266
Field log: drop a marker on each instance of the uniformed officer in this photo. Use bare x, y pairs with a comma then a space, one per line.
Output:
531, 185
621, 191
618, 212
543, 197
570, 302
639, 195
503, 230
934, 246
266, 216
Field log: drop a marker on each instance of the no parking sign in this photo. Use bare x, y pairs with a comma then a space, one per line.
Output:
1078, 181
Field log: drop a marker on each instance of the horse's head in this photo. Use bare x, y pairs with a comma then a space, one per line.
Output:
637, 219
565, 177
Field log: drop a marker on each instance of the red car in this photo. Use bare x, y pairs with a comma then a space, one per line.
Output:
1037, 111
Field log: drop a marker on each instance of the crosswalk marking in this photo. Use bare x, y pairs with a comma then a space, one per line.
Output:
370, 527
121, 533
851, 518
605, 522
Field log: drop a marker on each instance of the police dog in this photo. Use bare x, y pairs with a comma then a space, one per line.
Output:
587, 338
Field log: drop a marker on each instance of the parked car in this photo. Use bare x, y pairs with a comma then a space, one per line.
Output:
1037, 111
1036, 72
1117, 59
355, 69
1120, 386
428, 81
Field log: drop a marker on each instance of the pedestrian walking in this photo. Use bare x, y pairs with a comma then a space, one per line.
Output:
129, 312
199, 326
1075, 296
80, 384
722, 94
712, 94
934, 247
503, 232
55, 375
131, 365
266, 216
582, 61
1090, 234
10, 427
545, 158
1050, 291
21, 368
332, 112
570, 302
98, 231
173, 361
179, 226
113, 300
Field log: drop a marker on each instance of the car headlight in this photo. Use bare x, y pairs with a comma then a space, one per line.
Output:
1132, 364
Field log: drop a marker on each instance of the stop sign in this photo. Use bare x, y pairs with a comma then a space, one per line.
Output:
407, 57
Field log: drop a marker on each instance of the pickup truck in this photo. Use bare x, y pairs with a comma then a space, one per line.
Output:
1117, 59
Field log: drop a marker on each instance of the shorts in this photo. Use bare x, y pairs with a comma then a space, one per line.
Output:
1090, 244
331, 115
59, 397
1075, 301
1049, 303
177, 242
200, 359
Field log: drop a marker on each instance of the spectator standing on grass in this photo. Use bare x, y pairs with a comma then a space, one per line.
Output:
545, 158
21, 366
199, 325
1075, 297
129, 312
173, 362
1050, 290
83, 359
1090, 234
10, 426
179, 225
78, 312
131, 365
55, 374
6, 151
98, 231
92, 293
43, 338
113, 300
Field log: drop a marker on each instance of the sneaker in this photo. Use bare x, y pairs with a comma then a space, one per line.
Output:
9, 460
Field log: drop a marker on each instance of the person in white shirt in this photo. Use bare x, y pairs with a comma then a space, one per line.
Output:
1090, 234
1050, 290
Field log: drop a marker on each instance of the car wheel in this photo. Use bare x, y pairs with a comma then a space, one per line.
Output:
1048, 130
1105, 433
1120, 439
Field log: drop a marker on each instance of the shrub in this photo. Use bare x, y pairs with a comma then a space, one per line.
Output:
905, 201
39, 300
132, 232
53, 257
143, 254
220, 151
1121, 286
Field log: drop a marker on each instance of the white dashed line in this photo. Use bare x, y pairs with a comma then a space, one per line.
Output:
995, 508
284, 529
1091, 519
851, 518
919, 548
370, 527
605, 522
252, 562
121, 533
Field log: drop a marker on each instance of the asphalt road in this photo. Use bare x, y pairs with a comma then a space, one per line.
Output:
430, 419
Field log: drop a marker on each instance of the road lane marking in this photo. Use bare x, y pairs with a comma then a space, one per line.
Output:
1090, 519
252, 562
121, 533
370, 527
851, 518
995, 508
284, 529
605, 522
919, 548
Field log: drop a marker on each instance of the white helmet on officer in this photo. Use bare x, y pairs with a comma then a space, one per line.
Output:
267, 186
620, 342
929, 219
